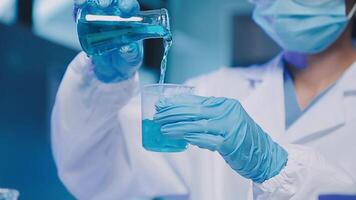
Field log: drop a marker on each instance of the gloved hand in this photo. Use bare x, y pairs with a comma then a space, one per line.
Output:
221, 124
123, 63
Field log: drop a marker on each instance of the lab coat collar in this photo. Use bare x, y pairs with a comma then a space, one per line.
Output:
327, 115
348, 80
266, 106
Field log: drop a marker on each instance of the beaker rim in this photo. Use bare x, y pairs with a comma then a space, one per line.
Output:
155, 88
168, 85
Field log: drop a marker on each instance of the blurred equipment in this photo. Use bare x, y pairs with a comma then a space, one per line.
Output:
337, 197
24, 11
8, 11
53, 20
8, 194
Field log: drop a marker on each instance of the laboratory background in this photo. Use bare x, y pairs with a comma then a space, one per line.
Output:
39, 39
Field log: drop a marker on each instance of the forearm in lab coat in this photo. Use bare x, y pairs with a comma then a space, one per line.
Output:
306, 175
85, 137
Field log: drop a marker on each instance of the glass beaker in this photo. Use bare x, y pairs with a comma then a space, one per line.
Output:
8, 194
104, 30
152, 138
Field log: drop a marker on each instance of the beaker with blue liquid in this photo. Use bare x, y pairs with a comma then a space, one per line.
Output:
152, 138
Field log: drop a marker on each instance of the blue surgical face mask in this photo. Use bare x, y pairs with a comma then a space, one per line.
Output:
303, 26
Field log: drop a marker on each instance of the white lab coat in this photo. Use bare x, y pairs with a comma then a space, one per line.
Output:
96, 138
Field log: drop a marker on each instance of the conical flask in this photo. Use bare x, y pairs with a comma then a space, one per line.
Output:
102, 31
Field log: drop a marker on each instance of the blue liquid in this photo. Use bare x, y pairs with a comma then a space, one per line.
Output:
167, 46
99, 37
153, 140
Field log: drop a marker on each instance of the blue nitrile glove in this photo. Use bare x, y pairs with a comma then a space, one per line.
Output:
123, 63
221, 124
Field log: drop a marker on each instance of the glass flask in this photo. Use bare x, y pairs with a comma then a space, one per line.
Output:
104, 30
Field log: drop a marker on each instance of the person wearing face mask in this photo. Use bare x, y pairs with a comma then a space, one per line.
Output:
289, 125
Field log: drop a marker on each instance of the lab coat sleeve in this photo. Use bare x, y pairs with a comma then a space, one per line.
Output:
89, 147
306, 175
